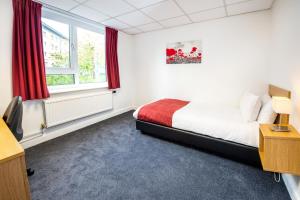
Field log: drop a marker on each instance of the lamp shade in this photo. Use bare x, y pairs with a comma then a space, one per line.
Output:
281, 105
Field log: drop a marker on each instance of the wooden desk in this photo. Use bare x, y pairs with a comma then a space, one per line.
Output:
13, 175
279, 151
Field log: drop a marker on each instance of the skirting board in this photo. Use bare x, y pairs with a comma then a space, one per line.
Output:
291, 186
49, 135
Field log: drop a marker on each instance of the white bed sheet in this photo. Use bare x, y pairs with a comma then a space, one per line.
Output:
217, 121
136, 112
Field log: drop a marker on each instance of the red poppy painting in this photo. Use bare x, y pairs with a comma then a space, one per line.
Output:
184, 52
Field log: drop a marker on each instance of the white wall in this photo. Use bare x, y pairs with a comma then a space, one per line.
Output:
235, 59
285, 62
33, 113
5, 53
285, 59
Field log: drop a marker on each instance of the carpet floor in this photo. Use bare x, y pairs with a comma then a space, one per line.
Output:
112, 160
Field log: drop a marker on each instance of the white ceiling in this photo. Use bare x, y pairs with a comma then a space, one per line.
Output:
138, 16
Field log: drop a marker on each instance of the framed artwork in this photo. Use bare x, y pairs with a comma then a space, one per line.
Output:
184, 52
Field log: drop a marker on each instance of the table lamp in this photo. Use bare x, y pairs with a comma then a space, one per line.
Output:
282, 106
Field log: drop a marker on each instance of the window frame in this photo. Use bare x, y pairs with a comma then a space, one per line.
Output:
73, 22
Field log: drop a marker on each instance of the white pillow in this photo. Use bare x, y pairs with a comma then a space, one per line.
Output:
250, 105
265, 99
266, 114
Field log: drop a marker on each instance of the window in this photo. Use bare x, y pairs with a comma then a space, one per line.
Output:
74, 52
91, 56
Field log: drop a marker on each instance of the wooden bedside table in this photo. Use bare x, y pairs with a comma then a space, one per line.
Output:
279, 151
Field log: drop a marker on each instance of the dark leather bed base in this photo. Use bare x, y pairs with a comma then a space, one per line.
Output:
235, 151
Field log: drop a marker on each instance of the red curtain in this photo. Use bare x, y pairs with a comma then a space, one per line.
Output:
28, 65
112, 66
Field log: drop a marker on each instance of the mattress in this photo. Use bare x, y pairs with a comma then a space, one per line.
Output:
216, 121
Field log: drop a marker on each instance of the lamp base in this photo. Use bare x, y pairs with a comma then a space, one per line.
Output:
278, 128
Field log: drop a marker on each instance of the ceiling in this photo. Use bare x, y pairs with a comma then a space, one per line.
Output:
139, 16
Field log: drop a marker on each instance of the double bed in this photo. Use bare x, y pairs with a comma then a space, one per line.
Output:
216, 129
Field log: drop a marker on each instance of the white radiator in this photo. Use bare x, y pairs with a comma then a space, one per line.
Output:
64, 109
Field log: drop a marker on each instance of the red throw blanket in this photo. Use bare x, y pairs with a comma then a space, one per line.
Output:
161, 112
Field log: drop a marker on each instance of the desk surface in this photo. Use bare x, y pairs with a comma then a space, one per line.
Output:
9, 146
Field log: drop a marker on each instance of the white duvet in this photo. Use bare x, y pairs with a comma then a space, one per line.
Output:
219, 122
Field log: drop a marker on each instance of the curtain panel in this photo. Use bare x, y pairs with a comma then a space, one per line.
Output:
28, 65
112, 65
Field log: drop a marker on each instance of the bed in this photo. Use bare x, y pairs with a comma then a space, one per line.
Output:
228, 135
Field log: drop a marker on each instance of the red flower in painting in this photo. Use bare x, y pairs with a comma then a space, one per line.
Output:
171, 52
170, 60
194, 49
180, 53
199, 55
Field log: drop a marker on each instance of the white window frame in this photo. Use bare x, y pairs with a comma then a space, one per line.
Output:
73, 23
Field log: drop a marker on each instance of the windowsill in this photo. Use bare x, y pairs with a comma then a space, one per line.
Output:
75, 88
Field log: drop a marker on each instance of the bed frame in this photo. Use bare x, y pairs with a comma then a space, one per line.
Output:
232, 150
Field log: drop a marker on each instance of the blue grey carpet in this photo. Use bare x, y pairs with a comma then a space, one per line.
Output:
112, 160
